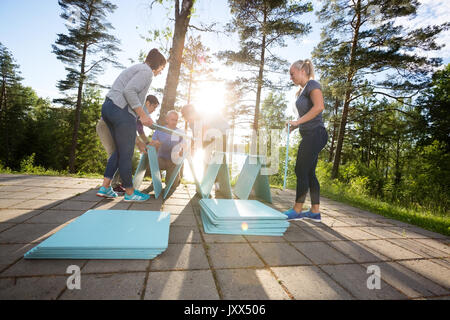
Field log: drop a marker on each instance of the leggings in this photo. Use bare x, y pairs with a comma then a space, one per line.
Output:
313, 141
123, 131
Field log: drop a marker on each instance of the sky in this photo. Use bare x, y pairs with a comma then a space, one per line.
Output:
28, 28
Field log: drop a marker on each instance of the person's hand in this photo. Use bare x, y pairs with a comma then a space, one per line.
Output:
141, 146
146, 121
155, 143
292, 125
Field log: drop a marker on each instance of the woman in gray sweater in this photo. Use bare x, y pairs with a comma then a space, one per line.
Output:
121, 109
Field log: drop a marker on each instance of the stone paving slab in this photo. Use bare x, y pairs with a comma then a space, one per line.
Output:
115, 266
29, 233
310, 283
389, 249
280, 254
408, 282
250, 284
17, 215
236, 255
321, 253
114, 286
431, 270
181, 285
41, 267
39, 288
312, 260
55, 216
181, 257
354, 278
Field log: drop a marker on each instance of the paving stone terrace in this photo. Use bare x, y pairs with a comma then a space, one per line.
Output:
328, 260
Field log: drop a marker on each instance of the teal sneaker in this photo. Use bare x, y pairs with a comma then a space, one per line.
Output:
293, 215
311, 216
136, 197
106, 193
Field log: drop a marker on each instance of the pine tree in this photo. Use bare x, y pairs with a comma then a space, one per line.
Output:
15, 103
369, 45
85, 49
261, 25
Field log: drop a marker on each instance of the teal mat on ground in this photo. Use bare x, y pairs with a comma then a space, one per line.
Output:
108, 234
245, 217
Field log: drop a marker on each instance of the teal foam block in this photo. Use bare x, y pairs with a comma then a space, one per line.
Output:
172, 178
196, 180
216, 169
140, 172
154, 168
250, 178
108, 234
152, 158
251, 217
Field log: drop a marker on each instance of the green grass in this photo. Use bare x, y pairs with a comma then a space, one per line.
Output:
425, 219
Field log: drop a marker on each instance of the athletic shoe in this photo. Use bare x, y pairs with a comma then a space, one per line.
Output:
119, 190
136, 197
106, 193
293, 215
311, 216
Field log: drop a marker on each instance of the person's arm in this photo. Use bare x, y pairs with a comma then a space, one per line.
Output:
318, 106
155, 140
141, 133
138, 83
141, 146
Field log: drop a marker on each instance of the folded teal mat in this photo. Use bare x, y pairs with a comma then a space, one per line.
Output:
108, 234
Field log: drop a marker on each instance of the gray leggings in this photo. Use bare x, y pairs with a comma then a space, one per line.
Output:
313, 141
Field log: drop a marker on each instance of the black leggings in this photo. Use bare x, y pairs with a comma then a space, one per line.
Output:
313, 141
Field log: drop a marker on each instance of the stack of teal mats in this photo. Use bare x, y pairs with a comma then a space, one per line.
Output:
108, 234
243, 217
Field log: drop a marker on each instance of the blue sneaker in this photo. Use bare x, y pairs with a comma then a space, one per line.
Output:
311, 216
292, 215
106, 193
136, 197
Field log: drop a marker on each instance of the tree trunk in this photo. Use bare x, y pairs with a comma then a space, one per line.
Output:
182, 19
260, 77
348, 92
77, 117
333, 137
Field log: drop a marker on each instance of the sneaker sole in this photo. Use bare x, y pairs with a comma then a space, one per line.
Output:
136, 200
104, 196
316, 220
295, 219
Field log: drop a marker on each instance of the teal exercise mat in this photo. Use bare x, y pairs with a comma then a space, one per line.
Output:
152, 158
154, 168
108, 234
250, 178
239, 209
170, 180
140, 171
245, 217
